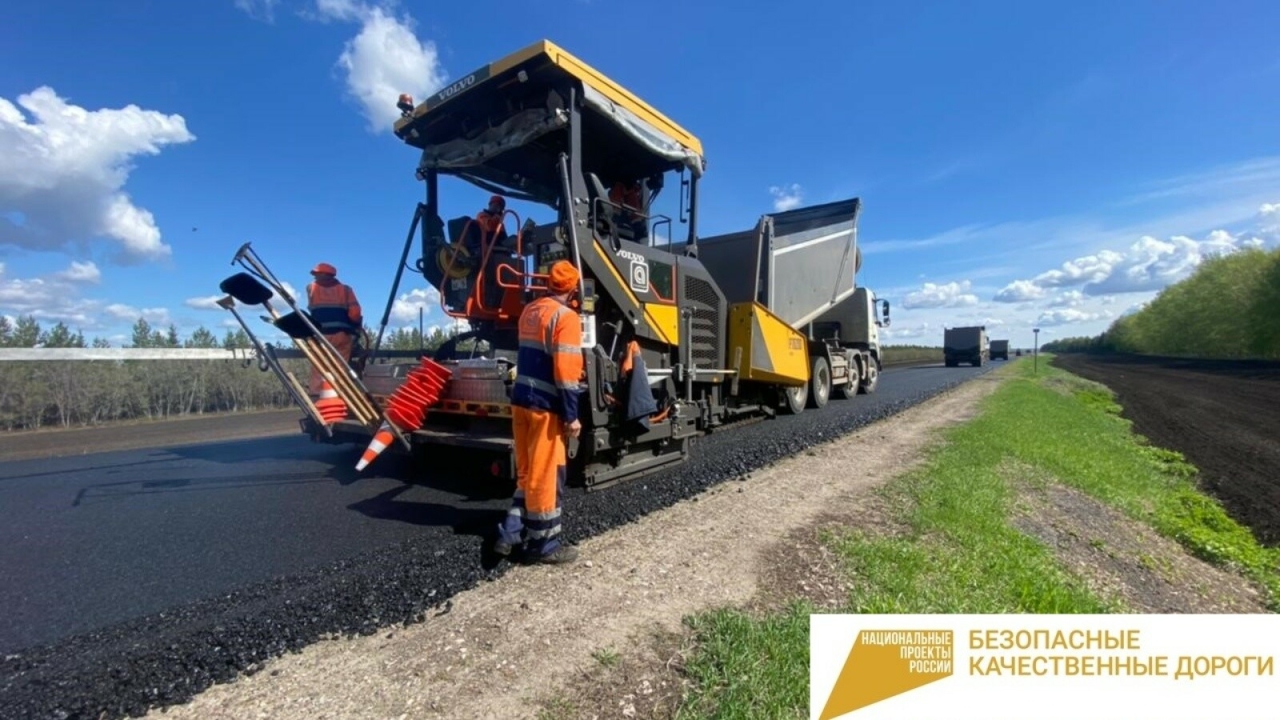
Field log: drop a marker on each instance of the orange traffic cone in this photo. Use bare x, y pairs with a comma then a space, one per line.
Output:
381, 440
331, 407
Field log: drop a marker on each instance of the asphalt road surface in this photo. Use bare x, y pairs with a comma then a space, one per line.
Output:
137, 578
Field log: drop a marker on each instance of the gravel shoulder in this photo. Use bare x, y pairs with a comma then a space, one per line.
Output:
507, 647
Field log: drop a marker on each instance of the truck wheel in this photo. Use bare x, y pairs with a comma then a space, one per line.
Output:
819, 383
868, 386
796, 398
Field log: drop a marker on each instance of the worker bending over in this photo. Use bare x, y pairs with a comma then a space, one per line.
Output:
545, 411
335, 312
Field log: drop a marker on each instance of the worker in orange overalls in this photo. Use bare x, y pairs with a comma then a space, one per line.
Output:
335, 312
490, 219
628, 195
545, 411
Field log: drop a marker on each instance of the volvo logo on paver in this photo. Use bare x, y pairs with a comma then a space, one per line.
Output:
465, 83
639, 271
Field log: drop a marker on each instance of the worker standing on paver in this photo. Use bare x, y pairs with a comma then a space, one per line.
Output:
335, 312
545, 411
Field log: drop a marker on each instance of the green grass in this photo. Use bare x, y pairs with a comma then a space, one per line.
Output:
960, 554
749, 668
905, 354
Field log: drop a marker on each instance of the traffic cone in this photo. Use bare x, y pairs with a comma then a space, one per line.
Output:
381, 440
331, 407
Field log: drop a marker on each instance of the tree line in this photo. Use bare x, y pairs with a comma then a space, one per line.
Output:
1227, 309
36, 395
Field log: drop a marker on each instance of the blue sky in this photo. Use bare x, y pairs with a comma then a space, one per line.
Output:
1019, 164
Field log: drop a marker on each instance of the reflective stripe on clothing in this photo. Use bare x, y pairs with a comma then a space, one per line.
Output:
333, 307
540, 475
549, 362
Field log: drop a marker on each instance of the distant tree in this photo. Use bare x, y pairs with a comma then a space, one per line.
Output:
27, 334
235, 340
142, 336
100, 342
202, 338
60, 336
172, 340
6, 331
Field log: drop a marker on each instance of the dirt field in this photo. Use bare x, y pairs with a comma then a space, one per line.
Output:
1223, 416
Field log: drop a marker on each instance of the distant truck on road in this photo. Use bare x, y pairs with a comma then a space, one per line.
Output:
1000, 349
965, 344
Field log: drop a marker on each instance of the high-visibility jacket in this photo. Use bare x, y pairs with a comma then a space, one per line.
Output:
334, 308
549, 363
628, 196
491, 223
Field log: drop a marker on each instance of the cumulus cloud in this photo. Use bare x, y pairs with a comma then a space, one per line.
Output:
129, 313
405, 308
208, 302
1149, 264
63, 172
786, 198
81, 272
1068, 299
1020, 291
1069, 316
56, 298
386, 58
264, 10
932, 295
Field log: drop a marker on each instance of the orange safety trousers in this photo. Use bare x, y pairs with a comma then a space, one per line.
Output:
343, 343
534, 517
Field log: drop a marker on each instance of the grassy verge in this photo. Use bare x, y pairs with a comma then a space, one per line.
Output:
960, 554
908, 354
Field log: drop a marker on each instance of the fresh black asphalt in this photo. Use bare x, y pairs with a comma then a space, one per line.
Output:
136, 579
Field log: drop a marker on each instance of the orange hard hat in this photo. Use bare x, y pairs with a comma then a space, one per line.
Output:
564, 278
324, 269
498, 200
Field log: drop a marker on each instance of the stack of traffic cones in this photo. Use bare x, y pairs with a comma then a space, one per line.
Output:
331, 407
407, 406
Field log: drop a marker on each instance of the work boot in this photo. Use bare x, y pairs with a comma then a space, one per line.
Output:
502, 547
560, 556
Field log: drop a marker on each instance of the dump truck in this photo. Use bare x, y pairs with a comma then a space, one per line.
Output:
965, 344
1000, 349
729, 329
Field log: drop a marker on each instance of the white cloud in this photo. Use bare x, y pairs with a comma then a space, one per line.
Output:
129, 313
81, 272
62, 174
405, 308
1069, 299
1020, 291
1148, 265
949, 295
264, 10
1069, 316
787, 198
208, 302
385, 59
56, 298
